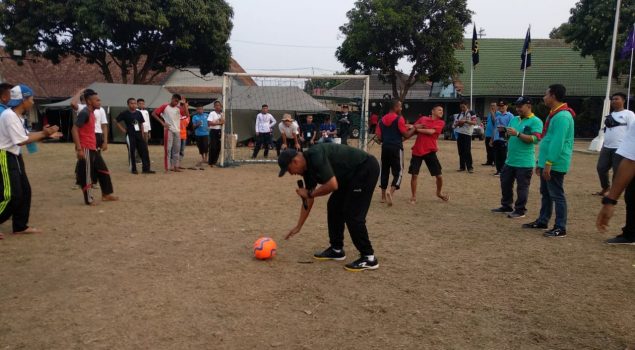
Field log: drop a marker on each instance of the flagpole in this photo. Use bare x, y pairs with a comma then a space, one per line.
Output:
630, 72
471, 85
597, 142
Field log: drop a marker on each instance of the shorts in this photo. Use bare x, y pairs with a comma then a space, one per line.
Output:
432, 162
202, 142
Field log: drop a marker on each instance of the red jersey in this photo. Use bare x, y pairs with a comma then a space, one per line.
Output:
428, 143
387, 121
86, 129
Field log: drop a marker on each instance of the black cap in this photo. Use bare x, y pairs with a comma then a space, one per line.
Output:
501, 102
523, 100
285, 159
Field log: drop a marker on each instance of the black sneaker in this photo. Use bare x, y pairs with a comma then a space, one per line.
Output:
502, 210
330, 254
362, 264
515, 215
555, 233
620, 240
149, 172
471, 171
497, 174
535, 224
135, 172
460, 170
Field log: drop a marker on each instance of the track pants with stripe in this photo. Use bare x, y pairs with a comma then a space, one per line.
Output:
391, 160
93, 169
15, 191
135, 144
171, 148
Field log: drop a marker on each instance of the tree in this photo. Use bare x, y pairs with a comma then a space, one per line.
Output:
590, 30
558, 32
135, 39
381, 33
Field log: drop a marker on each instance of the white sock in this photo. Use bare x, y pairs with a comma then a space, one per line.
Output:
371, 257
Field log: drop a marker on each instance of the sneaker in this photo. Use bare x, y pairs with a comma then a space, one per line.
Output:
471, 171
460, 170
620, 240
497, 174
535, 224
487, 164
555, 233
95, 186
149, 172
515, 215
330, 254
502, 210
135, 172
361, 264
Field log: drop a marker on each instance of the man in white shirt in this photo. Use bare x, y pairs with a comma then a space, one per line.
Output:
215, 121
289, 134
615, 127
264, 123
147, 127
623, 180
169, 115
464, 126
15, 190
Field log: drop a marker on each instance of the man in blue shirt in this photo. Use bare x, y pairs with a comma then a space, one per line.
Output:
489, 132
201, 132
328, 131
499, 139
5, 96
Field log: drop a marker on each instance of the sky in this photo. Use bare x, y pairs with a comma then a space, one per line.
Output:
301, 36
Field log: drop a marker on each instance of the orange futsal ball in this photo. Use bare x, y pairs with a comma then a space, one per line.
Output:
265, 248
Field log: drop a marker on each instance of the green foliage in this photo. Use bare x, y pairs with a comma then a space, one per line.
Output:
590, 30
140, 38
380, 33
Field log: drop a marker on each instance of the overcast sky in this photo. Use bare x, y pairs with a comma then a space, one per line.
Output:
291, 36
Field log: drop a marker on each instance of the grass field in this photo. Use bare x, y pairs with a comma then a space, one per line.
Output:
170, 266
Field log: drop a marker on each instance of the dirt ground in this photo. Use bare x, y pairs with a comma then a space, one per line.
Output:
170, 266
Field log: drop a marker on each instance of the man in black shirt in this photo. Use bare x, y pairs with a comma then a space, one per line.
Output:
345, 125
350, 176
309, 132
133, 121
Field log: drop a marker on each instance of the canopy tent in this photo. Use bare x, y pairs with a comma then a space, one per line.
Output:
114, 99
244, 102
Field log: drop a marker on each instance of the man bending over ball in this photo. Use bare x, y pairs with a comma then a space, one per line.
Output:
349, 176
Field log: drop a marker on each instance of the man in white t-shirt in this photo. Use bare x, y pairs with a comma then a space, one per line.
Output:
264, 123
147, 127
289, 134
215, 121
15, 190
615, 127
169, 115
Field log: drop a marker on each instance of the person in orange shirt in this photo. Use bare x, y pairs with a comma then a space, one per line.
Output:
185, 122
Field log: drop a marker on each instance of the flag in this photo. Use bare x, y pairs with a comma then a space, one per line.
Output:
525, 55
475, 57
628, 46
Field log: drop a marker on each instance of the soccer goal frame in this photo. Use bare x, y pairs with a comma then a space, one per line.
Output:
228, 139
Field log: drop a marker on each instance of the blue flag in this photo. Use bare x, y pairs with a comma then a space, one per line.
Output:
475, 56
525, 55
628, 46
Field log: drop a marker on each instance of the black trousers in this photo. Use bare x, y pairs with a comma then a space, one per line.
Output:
522, 177
15, 191
290, 144
490, 152
344, 138
464, 145
136, 143
349, 206
214, 146
607, 161
262, 140
391, 160
92, 168
500, 154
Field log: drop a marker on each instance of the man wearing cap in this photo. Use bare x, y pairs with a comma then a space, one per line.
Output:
15, 190
524, 133
289, 131
499, 138
464, 127
349, 175
554, 161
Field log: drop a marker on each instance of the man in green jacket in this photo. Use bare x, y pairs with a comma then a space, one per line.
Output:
554, 161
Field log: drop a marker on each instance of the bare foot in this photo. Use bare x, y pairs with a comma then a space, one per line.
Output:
443, 197
109, 198
389, 199
383, 200
413, 200
1, 236
28, 231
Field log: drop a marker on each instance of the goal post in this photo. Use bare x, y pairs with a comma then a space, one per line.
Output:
322, 97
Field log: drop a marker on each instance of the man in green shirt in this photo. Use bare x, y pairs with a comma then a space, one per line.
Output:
349, 176
524, 133
554, 160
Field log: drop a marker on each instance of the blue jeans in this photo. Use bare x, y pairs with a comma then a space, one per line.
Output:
552, 191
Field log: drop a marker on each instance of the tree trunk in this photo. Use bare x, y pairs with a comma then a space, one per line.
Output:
105, 69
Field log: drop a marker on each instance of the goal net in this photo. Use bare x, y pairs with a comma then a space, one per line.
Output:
326, 108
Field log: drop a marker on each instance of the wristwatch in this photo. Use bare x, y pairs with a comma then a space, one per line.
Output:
609, 201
